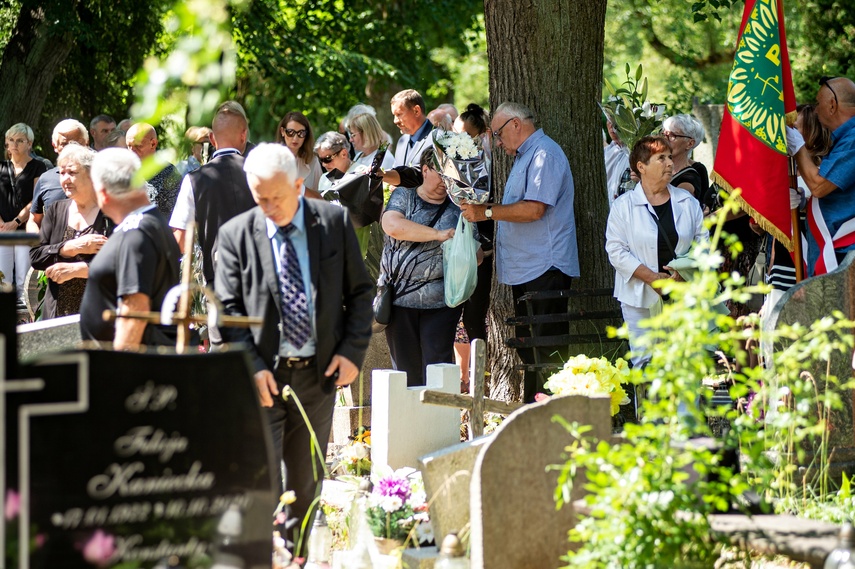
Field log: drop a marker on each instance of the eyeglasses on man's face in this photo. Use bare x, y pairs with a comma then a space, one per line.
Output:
497, 134
291, 133
825, 81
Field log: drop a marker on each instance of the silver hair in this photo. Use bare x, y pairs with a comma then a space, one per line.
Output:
68, 125
332, 141
268, 159
115, 170
515, 111
687, 125
359, 109
20, 128
83, 156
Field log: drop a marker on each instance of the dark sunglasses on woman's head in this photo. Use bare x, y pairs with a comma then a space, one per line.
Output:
291, 133
824, 80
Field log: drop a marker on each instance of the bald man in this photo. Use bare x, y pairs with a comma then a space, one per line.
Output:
831, 209
218, 190
48, 188
141, 139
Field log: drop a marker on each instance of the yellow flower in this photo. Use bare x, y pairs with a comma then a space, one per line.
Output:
288, 498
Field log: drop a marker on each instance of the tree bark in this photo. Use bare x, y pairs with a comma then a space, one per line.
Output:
31, 59
548, 55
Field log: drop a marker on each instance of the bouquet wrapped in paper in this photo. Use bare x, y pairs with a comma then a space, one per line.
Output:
464, 163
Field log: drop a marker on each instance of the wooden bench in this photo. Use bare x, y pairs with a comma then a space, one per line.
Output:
587, 327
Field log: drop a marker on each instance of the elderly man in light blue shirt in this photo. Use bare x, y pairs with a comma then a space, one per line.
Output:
535, 225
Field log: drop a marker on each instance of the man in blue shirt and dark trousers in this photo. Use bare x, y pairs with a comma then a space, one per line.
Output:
535, 226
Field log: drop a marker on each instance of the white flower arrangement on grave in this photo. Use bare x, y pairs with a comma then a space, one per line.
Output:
355, 457
582, 375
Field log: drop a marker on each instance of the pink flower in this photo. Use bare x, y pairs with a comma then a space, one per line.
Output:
13, 504
99, 549
538, 397
40, 540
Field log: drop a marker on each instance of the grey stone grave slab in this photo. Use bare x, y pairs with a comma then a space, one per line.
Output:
514, 522
356, 411
55, 335
447, 476
805, 303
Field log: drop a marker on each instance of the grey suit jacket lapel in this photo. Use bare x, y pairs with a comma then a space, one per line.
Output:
265, 253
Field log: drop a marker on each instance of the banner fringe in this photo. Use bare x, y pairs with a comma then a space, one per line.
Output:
767, 225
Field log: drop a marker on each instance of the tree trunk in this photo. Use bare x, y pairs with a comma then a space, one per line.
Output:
548, 55
30, 62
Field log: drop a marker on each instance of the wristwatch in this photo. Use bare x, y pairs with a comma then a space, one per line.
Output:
488, 213
19, 222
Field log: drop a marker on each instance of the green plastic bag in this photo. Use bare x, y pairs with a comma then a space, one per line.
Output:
460, 264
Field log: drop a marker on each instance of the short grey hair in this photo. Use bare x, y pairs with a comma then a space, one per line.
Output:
515, 111
115, 170
332, 141
83, 156
268, 159
687, 125
20, 128
68, 125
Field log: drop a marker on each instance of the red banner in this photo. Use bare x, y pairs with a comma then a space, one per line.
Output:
752, 145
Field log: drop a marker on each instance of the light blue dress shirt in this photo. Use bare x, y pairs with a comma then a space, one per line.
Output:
524, 251
301, 244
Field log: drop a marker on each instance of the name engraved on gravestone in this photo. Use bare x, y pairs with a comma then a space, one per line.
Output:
169, 459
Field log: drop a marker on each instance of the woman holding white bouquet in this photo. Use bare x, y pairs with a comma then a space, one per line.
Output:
648, 228
417, 221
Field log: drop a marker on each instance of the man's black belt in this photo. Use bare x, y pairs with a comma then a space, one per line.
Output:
297, 363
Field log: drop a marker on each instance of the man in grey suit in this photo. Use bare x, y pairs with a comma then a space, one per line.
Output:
296, 263
408, 109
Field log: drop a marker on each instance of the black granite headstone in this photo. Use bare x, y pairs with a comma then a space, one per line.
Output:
136, 461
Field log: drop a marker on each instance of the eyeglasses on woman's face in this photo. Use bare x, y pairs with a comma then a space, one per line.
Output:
291, 133
672, 136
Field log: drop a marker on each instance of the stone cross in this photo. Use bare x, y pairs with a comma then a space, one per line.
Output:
475, 402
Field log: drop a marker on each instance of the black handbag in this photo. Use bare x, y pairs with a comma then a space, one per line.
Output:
386, 290
383, 303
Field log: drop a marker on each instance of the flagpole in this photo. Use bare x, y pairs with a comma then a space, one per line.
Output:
796, 233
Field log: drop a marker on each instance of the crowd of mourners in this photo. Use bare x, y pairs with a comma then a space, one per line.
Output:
112, 242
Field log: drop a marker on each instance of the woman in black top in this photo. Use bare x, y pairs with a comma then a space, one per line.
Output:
18, 177
72, 231
685, 133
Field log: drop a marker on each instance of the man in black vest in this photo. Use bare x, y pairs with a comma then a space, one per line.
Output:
217, 191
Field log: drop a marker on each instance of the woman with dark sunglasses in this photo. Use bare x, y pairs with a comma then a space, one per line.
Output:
295, 132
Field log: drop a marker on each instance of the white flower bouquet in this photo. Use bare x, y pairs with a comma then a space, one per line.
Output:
464, 163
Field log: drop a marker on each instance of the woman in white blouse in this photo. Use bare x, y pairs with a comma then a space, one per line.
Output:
367, 136
648, 227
